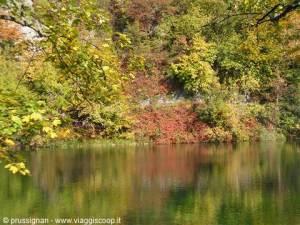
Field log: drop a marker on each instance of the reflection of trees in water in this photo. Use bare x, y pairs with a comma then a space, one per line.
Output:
251, 186
53, 171
183, 184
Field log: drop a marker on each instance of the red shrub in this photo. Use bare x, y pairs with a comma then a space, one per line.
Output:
177, 124
148, 12
9, 31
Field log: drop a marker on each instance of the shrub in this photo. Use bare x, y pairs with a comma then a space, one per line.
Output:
228, 117
194, 69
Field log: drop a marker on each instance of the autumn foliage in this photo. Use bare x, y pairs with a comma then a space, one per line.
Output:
172, 124
9, 31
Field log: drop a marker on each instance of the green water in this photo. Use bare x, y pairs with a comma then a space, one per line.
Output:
256, 183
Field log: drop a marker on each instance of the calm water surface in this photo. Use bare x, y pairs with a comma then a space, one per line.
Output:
255, 184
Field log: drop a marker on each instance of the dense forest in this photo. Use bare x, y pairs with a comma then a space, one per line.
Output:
162, 71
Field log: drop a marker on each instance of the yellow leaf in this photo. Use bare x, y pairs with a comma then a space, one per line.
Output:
36, 116
105, 68
26, 119
47, 129
9, 142
56, 122
7, 166
115, 87
21, 165
17, 168
15, 118
13, 169
53, 135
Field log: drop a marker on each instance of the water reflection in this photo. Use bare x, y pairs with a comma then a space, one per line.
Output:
163, 185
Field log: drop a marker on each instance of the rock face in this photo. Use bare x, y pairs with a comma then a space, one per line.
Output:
28, 33
10, 30
27, 3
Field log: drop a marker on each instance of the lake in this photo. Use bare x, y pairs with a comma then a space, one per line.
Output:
252, 183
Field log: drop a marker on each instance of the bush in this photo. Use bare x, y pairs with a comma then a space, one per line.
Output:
194, 69
228, 118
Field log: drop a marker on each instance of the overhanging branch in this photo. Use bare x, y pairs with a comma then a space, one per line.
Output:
272, 16
259, 17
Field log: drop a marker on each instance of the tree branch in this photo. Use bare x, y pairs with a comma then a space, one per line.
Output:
268, 14
227, 17
267, 17
286, 10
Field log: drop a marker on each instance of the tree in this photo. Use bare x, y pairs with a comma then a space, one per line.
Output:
75, 37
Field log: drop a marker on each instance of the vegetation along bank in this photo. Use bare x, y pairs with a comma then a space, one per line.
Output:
165, 71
